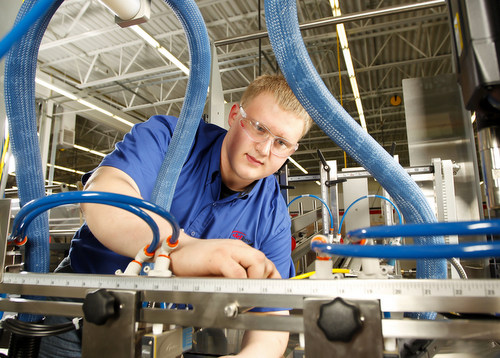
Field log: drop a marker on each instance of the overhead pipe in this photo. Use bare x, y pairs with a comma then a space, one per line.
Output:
394, 10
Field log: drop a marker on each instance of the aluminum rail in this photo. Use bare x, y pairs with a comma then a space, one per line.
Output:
365, 174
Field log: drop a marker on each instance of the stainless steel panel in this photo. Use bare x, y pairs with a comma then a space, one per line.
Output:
451, 329
489, 148
367, 342
117, 337
59, 308
359, 215
301, 222
438, 126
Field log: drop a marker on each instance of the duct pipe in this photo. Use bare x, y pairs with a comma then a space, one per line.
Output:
124, 9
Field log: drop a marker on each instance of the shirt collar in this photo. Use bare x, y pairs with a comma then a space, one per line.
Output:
214, 161
247, 190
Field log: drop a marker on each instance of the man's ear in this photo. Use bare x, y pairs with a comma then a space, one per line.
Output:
233, 114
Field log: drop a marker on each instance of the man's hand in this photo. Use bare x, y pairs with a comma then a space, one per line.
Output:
220, 257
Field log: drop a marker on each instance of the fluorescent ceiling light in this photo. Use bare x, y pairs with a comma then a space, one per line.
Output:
147, 37
298, 165
355, 90
120, 119
335, 7
342, 36
66, 169
81, 101
155, 44
93, 106
362, 120
358, 105
174, 60
79, 147
59, 183
56, 89
348, 62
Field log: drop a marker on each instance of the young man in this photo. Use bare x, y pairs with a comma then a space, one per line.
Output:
226, 193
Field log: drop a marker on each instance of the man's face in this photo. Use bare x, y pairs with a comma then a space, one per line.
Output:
244, 160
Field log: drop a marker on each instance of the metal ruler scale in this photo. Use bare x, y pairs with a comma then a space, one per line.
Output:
356, 288
395, 296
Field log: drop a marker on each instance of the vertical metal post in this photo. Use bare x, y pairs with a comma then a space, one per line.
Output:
45, 129
387, 208
283, 182
323, 175
53, 152
215, 96
333, 201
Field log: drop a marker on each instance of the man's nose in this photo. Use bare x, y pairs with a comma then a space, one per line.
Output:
265, 147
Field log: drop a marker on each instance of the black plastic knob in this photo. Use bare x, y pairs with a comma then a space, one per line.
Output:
339, 320
99, 306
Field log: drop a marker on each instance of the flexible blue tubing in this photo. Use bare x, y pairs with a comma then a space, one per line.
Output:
315, 197
465, 250
365, 197
19, 89
196, 93
39, 9
293, 59
19, 230
483, 227
35, 207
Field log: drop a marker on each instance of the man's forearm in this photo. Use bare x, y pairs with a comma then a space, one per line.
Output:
265, 344
117, 229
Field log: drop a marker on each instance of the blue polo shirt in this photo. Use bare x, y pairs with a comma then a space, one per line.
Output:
259, 216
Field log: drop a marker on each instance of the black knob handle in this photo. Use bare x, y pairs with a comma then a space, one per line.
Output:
339, 320
99, 306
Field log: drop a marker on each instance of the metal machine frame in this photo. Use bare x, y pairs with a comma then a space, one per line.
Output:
224, 303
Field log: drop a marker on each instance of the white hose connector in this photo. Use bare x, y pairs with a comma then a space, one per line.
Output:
323, 268
134, 267
162, 259
370, 268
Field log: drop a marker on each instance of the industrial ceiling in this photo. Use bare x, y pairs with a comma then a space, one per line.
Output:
85, 52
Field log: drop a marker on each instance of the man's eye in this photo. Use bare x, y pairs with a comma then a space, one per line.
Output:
259, 127
282, 143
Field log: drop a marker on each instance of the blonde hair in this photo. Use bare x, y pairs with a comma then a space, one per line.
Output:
279, 88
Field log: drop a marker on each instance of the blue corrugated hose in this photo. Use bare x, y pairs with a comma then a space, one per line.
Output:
294, 61
20, 70
196, 93
298, 69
